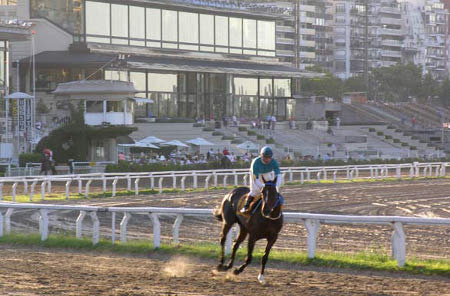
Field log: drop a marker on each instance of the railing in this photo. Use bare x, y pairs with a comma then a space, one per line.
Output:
312, 222
182, 179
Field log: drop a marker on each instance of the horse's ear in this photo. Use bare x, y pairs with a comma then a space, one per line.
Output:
275, 180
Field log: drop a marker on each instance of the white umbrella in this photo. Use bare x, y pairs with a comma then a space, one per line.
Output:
247, 145
200, 142
174, 143
140, 144
18, 95
152, 140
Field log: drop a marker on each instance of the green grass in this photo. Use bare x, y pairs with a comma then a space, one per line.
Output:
374, 259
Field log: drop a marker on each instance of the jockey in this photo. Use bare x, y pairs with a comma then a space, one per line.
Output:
263, 168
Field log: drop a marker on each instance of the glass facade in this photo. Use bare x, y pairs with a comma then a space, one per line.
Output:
67, 14
192, 94
163, 28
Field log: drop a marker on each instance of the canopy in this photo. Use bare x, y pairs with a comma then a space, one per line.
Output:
152, 140
140, 144
248, 145
18, 95
174, 143
200, 142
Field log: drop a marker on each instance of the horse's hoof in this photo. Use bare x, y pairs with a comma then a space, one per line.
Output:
220, 267
261, 279
236, 271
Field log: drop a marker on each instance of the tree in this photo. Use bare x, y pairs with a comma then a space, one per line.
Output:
444, 95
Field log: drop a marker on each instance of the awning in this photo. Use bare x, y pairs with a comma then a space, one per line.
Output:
143, 100
175, 62
18, 95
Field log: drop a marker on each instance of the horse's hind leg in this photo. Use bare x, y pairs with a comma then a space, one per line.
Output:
270, 242
237, 242
248, 260
223, 237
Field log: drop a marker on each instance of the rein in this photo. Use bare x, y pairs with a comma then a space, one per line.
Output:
277, 203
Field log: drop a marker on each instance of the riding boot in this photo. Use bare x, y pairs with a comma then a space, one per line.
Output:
247, 204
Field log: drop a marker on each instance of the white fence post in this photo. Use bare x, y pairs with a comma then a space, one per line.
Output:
245, 179
113, 228
183, 179
156, 231
235, 178
86, 192
1, 224
398, 240
95, 228
152, 181
398, 172
174, 181
79, 224
335, 176
176, 228
104, 183
25, 187
14, 189
312, 228
49, 186
308, 175
68, 189
43, 190
136, 186
318, 177
1, 190
215, 178
32, 189
8, 214
291, 175
160, 183
43, 224
194, 179
302, 180
123, 227
225, 181
325, 177
128, 183
207, 182
114, 184
80, 186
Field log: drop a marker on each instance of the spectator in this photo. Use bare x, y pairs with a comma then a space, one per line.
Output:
274, 120
225, 151
268, 120
121, 156
413, 121
338, 122
234, 120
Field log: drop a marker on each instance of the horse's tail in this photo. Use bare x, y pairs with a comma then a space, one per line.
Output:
217, 213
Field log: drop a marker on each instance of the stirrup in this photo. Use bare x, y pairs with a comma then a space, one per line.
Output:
244, 210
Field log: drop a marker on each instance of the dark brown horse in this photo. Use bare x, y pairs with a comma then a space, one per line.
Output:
265, 221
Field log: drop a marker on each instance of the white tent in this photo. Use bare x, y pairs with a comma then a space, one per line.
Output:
174, 143
18, 95
200, 142
140, 144
151, 140
248, 145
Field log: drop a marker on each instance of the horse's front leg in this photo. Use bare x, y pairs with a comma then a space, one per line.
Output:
237, 242
248, 260
223, 237
270, 241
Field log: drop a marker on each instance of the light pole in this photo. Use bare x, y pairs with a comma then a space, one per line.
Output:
33, 100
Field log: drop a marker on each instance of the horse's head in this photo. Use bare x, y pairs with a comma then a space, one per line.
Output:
271, 201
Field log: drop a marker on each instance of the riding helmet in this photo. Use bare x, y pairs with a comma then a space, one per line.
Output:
266, 151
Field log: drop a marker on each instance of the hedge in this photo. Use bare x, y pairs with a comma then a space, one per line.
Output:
270, 141
260, 137
242, 128
251, 133
217, 133
380, 133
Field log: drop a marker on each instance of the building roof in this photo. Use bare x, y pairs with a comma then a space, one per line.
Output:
95, 87
13, 32
68, 59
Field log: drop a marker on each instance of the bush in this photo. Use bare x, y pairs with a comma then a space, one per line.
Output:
388, 137
237, 141
208, 129
242, 128
174, 120
405, 144
197, 124
398, 130
391, 127
251, 133
396, 140
25, 158
380, 133
227, 138
217, 133
413, 148
270, 141
260, 137
371, 129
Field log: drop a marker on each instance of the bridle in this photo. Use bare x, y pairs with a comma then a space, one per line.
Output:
275, 205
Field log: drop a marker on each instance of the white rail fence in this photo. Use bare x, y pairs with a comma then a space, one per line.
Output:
312, 223
182, 179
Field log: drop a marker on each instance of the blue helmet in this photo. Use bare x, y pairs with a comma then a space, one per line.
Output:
266, 151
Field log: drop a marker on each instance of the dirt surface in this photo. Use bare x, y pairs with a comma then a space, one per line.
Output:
53, 272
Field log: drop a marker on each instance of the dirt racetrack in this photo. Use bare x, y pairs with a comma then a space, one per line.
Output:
54, 272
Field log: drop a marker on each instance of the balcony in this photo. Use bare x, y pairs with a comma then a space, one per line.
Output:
286, 41
391, 43
391, 53
285, 53
390, 10
285, 29
391, 21
392, 32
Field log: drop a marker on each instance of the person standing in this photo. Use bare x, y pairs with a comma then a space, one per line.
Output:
338, 122
274, 121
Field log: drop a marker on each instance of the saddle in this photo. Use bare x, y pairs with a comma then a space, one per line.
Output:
252, 206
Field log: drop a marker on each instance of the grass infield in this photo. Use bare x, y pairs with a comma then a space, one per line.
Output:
375, 259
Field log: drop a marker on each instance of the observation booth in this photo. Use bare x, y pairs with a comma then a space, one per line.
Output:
105, 102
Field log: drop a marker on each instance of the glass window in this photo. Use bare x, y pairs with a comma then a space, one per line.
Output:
97, 18
153, 24
282, 87
162, 82
222, 30
169, 25
119, 13
206, 29
188, 27
249, 28
94, 106
114, 106
248, 107
166, 104
137, 22
116, 75
266, 35
245, 86
139, 80
235, 32
68, 14
265, 87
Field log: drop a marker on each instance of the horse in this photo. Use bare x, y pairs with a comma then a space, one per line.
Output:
265, 221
